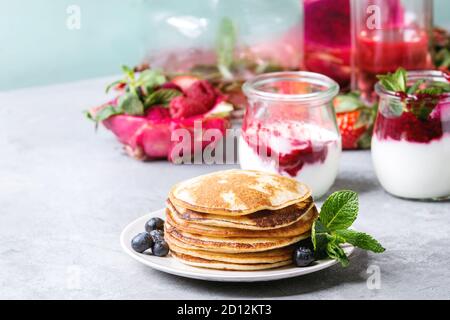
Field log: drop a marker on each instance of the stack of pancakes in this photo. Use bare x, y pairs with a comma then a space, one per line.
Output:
238, 220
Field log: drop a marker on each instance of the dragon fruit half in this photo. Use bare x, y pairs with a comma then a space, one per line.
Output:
152, 134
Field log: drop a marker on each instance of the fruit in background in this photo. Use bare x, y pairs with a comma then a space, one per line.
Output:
441, 56
349, 132
355, 121
150, 108
199, 97
292, 87
184, 81
230, 63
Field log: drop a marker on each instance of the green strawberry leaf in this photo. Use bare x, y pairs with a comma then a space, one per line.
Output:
112, 85
360, 240
340, 210
347, 103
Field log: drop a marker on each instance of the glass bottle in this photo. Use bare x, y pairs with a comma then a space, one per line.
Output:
388, 34
327, 39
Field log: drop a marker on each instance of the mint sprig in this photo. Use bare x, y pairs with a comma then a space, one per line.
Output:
396, 82
422, 96
141, 92
225, 46
331, 229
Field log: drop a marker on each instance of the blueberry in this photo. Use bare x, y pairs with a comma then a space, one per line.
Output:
157, 235
142, 242
303, 257
154, 224
160, 248
307, 243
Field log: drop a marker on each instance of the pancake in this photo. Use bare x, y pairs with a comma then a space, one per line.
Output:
226, 245
238, 193
262, 220
271, 256
211, 264
301, 226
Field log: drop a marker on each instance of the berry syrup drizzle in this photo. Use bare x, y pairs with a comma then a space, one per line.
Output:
411, 128
301, 151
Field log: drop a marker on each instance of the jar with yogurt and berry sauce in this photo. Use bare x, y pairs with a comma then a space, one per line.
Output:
411, 148
290, 128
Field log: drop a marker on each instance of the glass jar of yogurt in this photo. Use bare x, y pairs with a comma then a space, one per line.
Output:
290, 128
411, 148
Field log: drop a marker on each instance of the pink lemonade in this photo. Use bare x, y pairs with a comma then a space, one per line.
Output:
383, 51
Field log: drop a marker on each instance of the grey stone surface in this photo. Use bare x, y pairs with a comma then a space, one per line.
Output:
67, 192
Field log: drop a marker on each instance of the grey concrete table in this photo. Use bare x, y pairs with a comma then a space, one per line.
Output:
67, 192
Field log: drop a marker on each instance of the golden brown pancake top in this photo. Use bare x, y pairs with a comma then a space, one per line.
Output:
238, 192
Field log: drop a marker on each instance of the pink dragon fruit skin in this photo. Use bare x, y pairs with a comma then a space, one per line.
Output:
220, 124
150, 139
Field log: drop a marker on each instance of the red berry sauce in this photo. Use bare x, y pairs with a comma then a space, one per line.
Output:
302, 151
412, 128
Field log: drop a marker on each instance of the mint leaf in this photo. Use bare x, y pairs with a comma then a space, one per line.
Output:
396, 108
131, 104
106, 113
161, 97
330, 230
360, 240
128, 72
226, 42
395, 82
150, 79
415, 86
319, 236
334, 251
103, 114
445, 86
340, 210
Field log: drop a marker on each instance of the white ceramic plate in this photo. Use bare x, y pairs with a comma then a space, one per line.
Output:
172, 266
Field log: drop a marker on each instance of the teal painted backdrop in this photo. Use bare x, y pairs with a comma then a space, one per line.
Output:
37, 48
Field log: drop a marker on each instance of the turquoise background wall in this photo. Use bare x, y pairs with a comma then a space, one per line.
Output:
37, 48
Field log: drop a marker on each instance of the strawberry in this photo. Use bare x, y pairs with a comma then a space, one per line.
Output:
203, 92
350, 133
184, 107
291, 87
355, 120
199, 98
184, 82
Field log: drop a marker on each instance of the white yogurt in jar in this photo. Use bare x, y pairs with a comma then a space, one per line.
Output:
411, 169
321, 166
